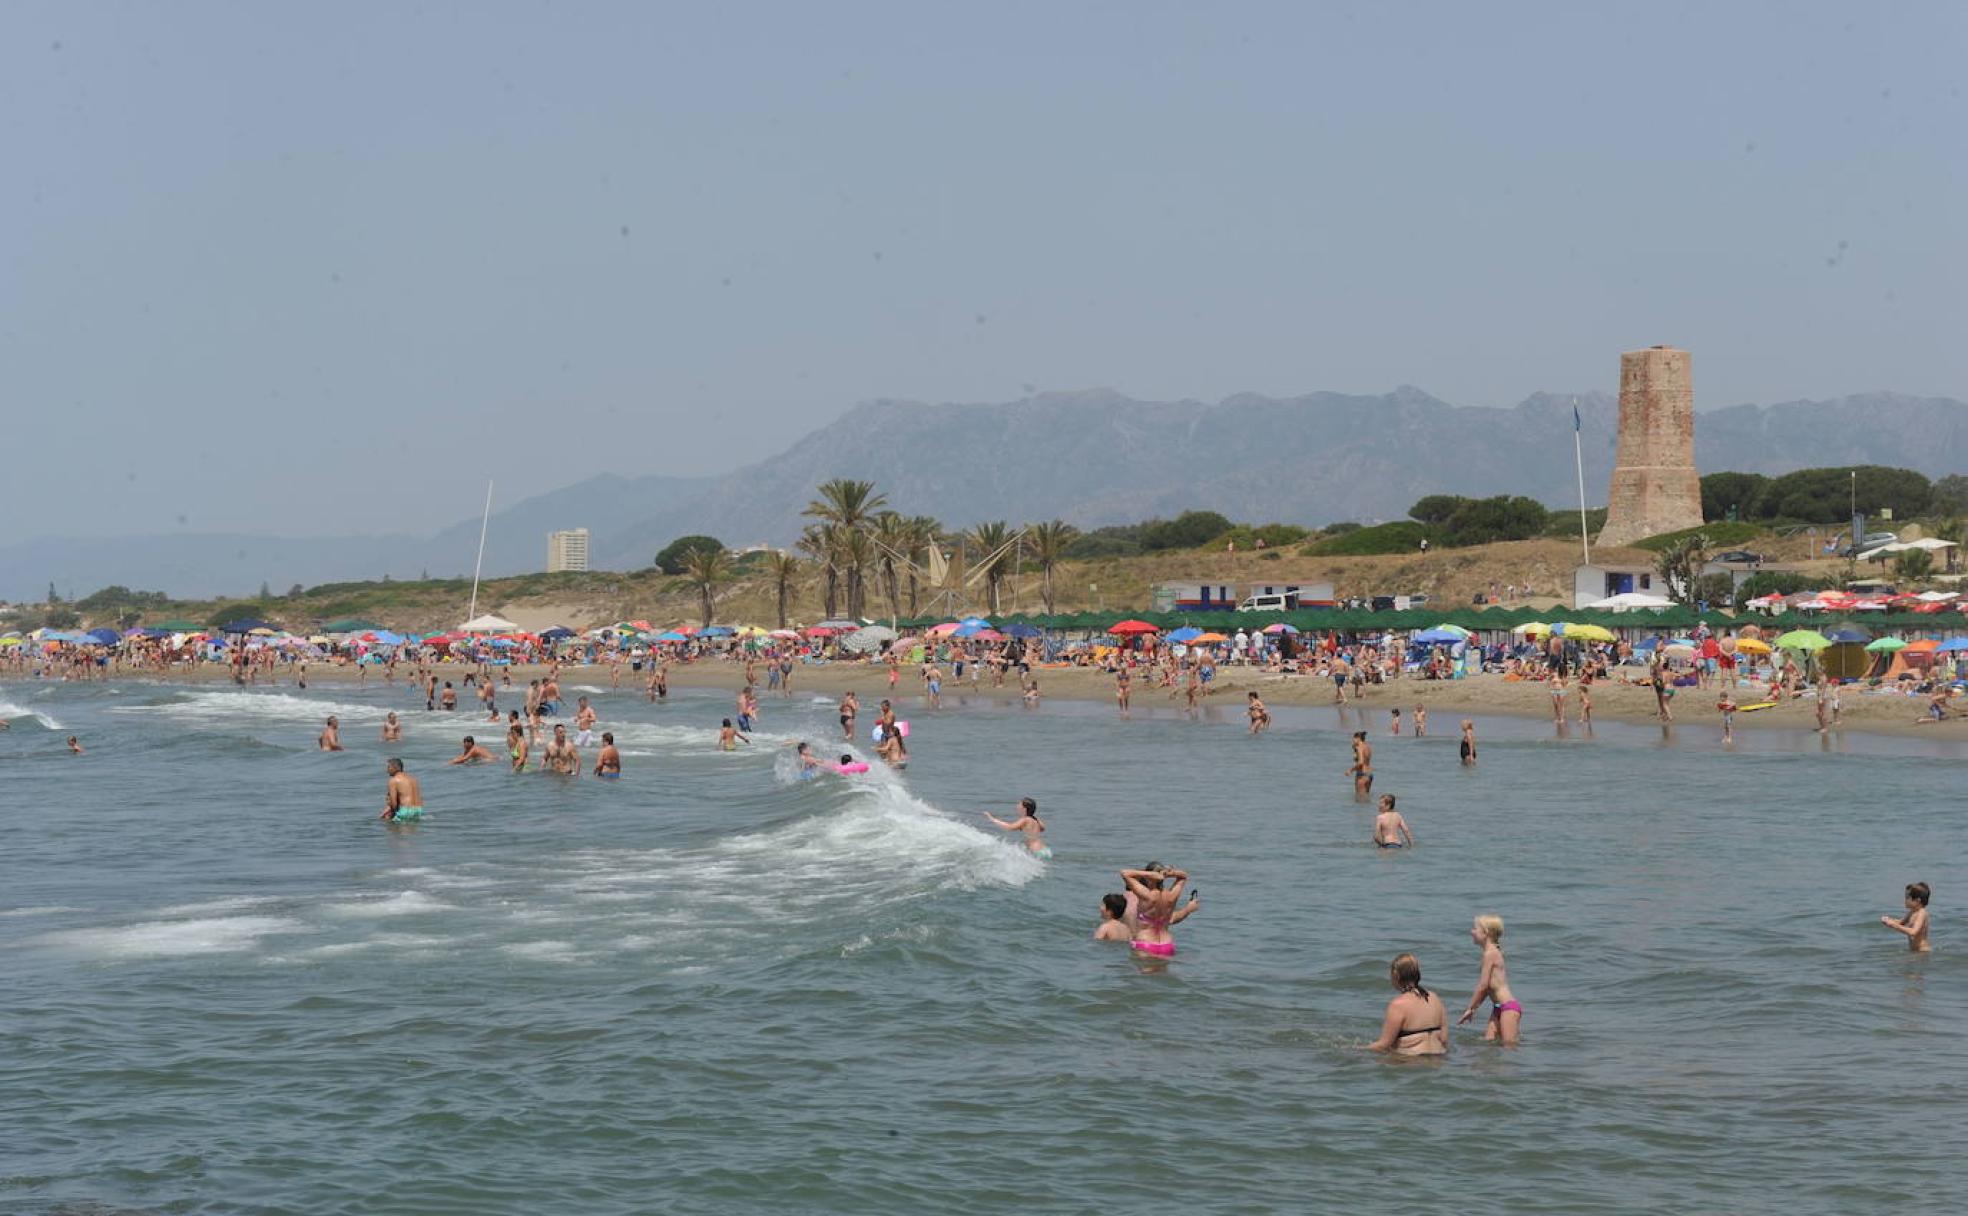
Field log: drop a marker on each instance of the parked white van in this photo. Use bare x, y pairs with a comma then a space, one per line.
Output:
1270, 603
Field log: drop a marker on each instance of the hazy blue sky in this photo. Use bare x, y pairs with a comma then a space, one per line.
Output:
323, 268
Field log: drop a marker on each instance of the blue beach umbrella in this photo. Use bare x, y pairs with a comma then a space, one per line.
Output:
108, 637
1187, 633
1848, 635
1022, 630
1952, 645
716, 631
976, 622
1438, 635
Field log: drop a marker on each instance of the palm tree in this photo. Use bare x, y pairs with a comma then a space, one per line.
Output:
1679, 566
849, 505
892, 535
785, 570
821, 543
988, 538
707, 570
857, 553
1049, 541
924, 531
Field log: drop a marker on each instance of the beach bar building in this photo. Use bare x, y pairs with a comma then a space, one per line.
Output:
1599, 581
1195, 597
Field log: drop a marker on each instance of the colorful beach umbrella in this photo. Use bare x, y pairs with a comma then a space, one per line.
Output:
1280, 627
1532, 629
1803, 639
1885, 645
1126, 629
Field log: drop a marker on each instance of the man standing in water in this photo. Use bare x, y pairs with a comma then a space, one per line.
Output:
403, 801
850, 708
331, 736
561, 758
584, 720
1362, 769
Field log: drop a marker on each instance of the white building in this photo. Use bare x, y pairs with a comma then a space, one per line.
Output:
1596, 582
567, 550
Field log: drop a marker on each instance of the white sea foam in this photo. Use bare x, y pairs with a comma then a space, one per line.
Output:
172, 938
406, 903
544, 952
42, 910
230, 705
210, 907
16, 713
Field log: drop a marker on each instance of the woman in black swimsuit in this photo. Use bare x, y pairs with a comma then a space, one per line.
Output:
1415, 1023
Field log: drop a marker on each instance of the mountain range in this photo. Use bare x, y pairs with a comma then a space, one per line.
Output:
1091, 458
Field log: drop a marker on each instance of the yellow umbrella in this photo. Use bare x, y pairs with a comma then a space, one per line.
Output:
1536, 629
1753, 645
1589, 633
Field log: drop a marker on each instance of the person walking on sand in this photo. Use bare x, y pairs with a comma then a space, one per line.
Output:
1914, 923
1493, 984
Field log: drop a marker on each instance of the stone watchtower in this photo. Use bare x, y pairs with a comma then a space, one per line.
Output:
1655, 487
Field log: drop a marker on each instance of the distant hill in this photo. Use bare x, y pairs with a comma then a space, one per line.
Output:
1092, 458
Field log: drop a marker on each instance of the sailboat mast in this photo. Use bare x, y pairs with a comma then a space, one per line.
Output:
471, 614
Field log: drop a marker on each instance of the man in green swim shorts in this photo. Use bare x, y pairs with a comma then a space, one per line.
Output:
404, 800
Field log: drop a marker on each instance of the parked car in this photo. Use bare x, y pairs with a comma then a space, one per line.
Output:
1739, 557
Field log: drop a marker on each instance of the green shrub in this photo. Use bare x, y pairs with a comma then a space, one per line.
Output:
1720, 536
1401, 536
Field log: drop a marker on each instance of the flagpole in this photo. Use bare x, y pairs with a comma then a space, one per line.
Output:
471, 614
1578, 454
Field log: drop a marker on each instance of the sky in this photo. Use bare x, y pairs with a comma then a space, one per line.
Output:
325, 269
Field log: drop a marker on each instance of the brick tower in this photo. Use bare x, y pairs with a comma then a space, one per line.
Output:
1655, 487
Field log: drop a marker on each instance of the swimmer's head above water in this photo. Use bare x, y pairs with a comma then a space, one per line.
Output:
1113, 905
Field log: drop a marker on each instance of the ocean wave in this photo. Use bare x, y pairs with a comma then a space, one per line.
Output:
171, 938
19, 714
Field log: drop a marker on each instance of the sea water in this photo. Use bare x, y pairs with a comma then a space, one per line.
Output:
712, 987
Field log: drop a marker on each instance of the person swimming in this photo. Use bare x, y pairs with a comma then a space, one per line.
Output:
1415, 1023
1113, 925
1505, 1013
1029, 823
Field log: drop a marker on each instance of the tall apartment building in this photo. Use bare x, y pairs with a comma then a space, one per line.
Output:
567, 550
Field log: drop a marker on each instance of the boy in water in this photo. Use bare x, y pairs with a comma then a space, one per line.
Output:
1394, 722
1390, 829
1914, 923
1726, 705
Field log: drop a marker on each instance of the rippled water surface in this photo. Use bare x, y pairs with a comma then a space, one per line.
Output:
711, 988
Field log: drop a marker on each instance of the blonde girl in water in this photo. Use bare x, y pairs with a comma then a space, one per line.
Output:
1505, 1013
1415, 1023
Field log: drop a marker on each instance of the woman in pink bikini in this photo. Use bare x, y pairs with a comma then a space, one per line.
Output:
1154, 906
1505, 1013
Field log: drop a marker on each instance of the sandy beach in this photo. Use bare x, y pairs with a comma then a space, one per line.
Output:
1615, 700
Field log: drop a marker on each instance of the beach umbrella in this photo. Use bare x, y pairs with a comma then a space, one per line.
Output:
1209, 639
786, 634
1678, 650
1125, 629
1952, 645
988, 635
715, 631
1280, 627
1020, 629
1446, 627
1752, 646
556, 633
10, 641
944, 630
1848, 635
669, 636
1535, 629
243, 626
869, 637
976, 631
1803, 639
1188, 633
1885, 645
1439, 635
976, 621
1589, 633
107, 637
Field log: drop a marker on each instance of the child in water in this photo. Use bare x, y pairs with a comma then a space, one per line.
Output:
1914, 923
1468, 741
1390, 829
1029, 823
1726, 706
729, 737
1505, 1013
1394, 721
1260, 717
